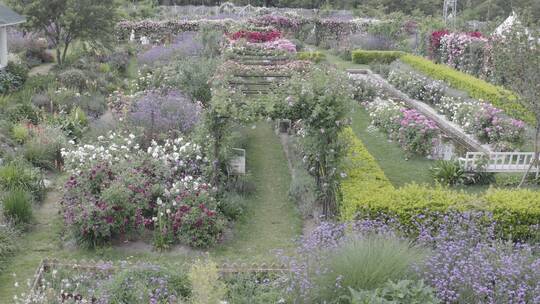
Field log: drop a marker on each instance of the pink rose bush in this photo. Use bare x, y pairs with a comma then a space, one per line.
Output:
259, 44
415, 132
486, 122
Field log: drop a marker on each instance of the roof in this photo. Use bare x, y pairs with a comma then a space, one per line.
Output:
507, 24
9, 17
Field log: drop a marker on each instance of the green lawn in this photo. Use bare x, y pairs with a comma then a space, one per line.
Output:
271, 222
389, 155
340, 63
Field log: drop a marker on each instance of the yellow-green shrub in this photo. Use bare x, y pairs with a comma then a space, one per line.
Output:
367, 57
311, 56
477, 88
364, 178
516, 210
366, 192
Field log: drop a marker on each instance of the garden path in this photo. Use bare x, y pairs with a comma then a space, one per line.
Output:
271, 221
34, 245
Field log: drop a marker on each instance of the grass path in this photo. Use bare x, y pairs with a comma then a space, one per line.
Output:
272, 221
389, 155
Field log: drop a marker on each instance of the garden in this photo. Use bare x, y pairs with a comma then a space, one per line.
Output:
239, 154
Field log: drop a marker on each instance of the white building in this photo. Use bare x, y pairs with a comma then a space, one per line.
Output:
7, 18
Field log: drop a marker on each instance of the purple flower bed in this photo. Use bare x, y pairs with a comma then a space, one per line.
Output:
466, 262
183, 44
165, 111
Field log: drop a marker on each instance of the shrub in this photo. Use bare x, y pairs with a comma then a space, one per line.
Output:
366, 262
146, 284
20, 133
43, 150
160, 112
18, 70
233, 205
368, 57
206, 286
22, 112
517, 211
366, 192
253, 289
448, 173
18, 175
9, 82
73, 79
364, 177
17, 205
476, 88
201, 227
311, 56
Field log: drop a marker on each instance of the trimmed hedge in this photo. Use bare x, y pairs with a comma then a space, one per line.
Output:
367, 57
516, 211
476, 88
366, 192
364, 178
311, 56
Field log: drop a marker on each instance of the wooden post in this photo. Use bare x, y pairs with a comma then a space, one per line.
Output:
3, 47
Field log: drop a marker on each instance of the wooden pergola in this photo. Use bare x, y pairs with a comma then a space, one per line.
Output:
7, 18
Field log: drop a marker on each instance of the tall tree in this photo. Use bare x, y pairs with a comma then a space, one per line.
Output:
65, 21
518, 57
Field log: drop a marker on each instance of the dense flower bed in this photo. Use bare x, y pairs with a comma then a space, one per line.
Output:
489, 124
116, 189
416, 133
465, 262
256, 37
464, 51
476, 88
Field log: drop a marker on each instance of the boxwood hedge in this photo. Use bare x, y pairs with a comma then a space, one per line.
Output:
366, 192
476, 88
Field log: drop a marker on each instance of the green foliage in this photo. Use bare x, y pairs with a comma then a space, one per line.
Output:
137, 285
17, 112
206, 286
315, 56
476, 88
253, 289
365, 263
516, 211
17, 205
233, 205
20, 133
364, 177
403, 292
369, 57
18, 70
193, 76
366, 192
8, 245
448, 173
9, 82
73, 79
322, 103
19, 175
43, 150
91, 21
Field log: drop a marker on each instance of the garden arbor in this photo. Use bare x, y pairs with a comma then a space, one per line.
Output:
7, 18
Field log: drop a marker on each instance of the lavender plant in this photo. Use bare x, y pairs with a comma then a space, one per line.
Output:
466, 261
162, 111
